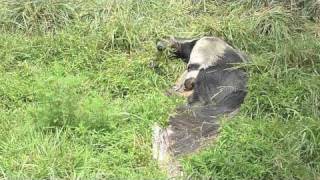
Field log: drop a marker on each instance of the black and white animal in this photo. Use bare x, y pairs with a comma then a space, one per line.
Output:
217, 88
200, 54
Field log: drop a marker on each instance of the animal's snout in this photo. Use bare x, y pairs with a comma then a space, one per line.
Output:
189, 84
161, 45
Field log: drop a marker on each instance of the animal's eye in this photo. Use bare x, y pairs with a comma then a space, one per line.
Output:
193, 67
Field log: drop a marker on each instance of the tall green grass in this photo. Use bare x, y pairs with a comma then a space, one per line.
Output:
78, 96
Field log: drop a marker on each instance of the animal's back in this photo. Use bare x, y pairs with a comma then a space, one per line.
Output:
207, 51
219, 90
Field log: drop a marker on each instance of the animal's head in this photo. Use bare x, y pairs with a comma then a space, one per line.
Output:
168, 43
179, 47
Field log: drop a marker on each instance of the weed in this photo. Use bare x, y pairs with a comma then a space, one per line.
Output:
78, 97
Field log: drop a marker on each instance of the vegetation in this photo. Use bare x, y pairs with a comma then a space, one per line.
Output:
78, 96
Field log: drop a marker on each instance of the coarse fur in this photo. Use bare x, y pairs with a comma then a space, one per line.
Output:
200, 53
217, 88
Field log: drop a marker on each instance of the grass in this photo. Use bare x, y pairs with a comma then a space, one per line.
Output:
78, 96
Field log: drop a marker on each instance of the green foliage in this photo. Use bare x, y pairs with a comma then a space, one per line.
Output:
35, 15
308, 8
78, 97
260, 148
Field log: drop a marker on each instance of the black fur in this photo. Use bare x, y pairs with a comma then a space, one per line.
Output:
217, 79
230, 56
184, 50
217, 91
192, 67
181, 47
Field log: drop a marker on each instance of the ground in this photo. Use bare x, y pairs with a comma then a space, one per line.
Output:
78, 96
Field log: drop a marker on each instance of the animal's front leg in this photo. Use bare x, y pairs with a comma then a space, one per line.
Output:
179, 88
179, 85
